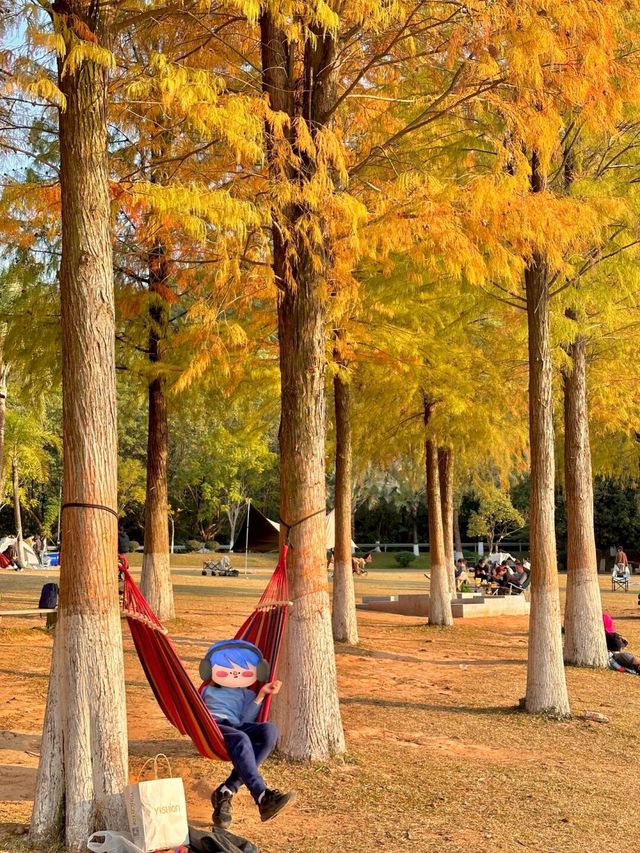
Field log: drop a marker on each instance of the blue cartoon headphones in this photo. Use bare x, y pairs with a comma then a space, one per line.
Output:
263, 669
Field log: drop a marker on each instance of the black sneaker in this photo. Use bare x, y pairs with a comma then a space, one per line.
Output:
221, 802
273, 802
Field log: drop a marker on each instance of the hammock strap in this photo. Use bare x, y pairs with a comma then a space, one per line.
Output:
289, 527
83, 505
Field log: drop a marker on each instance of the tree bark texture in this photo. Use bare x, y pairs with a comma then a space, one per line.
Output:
584, 640
344, 622
445, 470
414, 526
440, 596
307, 711
456, 531
155, 581
546, 685
17, 515
83, 764
3, 410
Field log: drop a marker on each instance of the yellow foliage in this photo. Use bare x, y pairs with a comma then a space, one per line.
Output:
194, 208
410, 201
86, 51
49, 41
44, 89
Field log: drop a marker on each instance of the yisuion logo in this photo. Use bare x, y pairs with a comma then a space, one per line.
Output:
171, 808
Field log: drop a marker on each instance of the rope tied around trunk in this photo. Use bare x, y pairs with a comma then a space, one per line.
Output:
289, 527
82, 505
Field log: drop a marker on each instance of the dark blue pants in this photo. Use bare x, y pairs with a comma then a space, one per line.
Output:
248, 745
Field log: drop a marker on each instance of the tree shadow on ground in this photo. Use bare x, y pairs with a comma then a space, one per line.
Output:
481, 662
356, 651
425, 706
17, 782
19, 741
214, 591
179, 748
191, 641
24, 674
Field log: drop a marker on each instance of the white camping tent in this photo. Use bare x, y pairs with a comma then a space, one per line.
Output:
331, 531
28, 555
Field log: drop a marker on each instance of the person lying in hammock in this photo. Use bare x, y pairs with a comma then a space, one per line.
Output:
231, 667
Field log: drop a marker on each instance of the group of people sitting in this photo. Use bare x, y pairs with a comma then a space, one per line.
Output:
503, 578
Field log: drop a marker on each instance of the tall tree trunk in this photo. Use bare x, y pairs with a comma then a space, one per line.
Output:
440, 596
344, 622
546, 684
308, 709
4, 370
414, 526
155, 582
17, 515
456, 531
584, 641
83, 761
308, 712
445, 469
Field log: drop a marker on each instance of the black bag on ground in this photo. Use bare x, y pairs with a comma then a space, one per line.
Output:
49, 597
219, 841
615, 642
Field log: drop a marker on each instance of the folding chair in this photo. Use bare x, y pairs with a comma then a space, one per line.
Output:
518, 589
619, 582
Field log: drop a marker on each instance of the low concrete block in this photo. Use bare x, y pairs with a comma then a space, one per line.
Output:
366, 599
470, 608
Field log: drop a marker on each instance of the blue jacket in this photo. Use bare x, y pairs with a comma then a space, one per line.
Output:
236, 705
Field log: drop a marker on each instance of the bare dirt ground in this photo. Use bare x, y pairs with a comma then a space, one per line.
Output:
438, 756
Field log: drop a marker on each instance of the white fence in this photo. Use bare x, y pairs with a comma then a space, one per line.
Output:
476, 547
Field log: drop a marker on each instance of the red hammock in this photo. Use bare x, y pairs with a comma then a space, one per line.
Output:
178, 697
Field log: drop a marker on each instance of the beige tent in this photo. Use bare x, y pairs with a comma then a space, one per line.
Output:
331, 531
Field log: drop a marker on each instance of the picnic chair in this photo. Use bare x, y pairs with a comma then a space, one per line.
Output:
512, 588
619, 582
518, 589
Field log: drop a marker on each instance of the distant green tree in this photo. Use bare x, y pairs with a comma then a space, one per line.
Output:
617, 513
495, 518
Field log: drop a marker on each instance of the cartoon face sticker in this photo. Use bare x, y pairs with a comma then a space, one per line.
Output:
233, 676
234, 667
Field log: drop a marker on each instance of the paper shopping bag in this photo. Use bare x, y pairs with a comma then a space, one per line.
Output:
157, 812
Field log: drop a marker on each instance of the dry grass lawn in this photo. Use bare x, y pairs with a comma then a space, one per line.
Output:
438, 756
